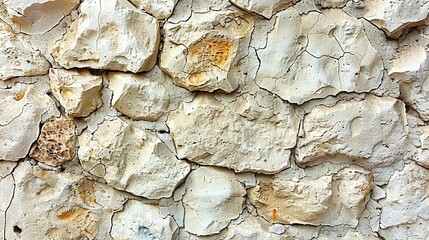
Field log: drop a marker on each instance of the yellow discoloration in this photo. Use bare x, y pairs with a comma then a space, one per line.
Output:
212, 51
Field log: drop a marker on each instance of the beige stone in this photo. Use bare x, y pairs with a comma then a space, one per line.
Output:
21, 113
411, 67
405, 210
78, 91
202, 60
137, 96
17, 57
371, 132
264, 8
158, 8
332, 199
241, 135
131, 159
317, 55
212, 198
142, 221
393, 17
109, 35
38, 16
57, 142
59, 205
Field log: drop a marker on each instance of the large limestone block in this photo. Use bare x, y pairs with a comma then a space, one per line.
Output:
212, 198
371, 132
131, 159
59, 205
109, 35
57, 142
21, 111
264, 8
405, 209
393, 17
137, 96
317, 55
38, 16
241, 135
17, 57
332, 199
78, 91
203, 60
411, 67
158, 8
142, 221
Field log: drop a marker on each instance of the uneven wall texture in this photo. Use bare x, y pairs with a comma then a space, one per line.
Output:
214, 119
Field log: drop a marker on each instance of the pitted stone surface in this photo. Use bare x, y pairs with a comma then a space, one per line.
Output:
241, 135
371, 132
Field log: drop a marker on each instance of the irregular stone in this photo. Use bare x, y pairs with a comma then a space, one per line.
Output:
393, 17
330, 52
105, 36
212, 198
407, 199
17, 57
142, 221
372, 132
264, 8
131, 159
241, 135
202, 60
158, 8
333, 199
78, 91
137, 96
7, 186
59, 205
253, 228
412, 69
21, 113
57, 142
38, 16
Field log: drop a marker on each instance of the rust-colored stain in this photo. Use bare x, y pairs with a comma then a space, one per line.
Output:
20, 95
85, 192
71, 214
274, 215
212, 51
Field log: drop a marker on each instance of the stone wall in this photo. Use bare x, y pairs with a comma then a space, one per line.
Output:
214, 119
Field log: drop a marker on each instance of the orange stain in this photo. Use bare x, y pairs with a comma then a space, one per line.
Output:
274, 215
212, 51
20, 95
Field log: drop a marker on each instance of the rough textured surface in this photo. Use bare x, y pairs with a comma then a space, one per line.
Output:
212, 198
78, 91
158, 8
20, 115
242, 135
57, 142
330, 52
38, 16
214, 119
138, 97
106, 36
329, 200
142, 221
371, 132
202, 60
17, 58
393, 17
131, 159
